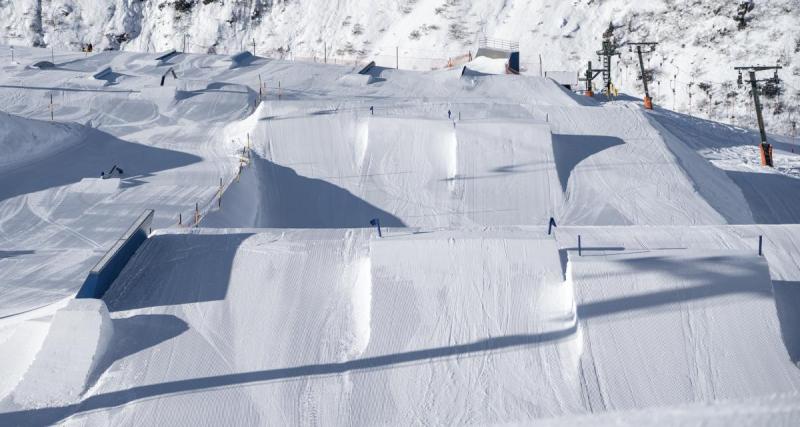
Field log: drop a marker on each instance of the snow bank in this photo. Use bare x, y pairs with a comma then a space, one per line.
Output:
356, 80
23, 140
96, 185
76, 342
686, 326
163, 97
18, 346
486, 65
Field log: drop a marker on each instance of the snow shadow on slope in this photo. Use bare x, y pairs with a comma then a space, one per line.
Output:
787, 302
99, 152
171, 269
136, 333
570, 150
275, 196
771, 196
12, 254
51, 415
741, 281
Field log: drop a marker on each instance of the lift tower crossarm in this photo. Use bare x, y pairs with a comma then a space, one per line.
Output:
766, 148
589, 76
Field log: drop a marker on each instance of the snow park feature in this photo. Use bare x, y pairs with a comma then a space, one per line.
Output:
220, 238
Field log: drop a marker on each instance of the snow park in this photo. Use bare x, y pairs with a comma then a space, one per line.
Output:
399, 212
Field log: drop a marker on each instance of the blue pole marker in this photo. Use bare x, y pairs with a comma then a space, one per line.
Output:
760, 245
551, 226
580, 250
375, 222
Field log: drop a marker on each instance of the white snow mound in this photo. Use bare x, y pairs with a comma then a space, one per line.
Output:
77, 340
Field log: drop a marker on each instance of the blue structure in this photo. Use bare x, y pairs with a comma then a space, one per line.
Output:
513, 63
367, 68
108, 268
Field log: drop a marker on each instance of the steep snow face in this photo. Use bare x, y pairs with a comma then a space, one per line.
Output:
699, 41
23, 140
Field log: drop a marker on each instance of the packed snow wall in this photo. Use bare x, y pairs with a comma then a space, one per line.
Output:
339, 170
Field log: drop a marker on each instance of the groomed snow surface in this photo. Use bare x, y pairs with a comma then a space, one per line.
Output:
285, 307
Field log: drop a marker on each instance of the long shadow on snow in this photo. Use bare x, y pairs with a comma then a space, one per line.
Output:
771, 196
172, 269
602, 99
588, 310
136, 333
570, 150
118, 398
99, 152
699, 133
787, 302
666, 297
744, 280
11, 254
68, 89
288, 200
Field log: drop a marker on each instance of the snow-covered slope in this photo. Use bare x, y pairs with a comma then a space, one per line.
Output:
700, 42
250, 326
24, 140
465, 310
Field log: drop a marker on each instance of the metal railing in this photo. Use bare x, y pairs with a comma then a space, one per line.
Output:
511, 46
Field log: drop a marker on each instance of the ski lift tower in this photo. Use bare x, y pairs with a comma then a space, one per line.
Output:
588, 77
770, 84
608, 51
651, 47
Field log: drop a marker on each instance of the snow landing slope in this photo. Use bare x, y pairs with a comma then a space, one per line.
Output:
284, 307
303, 326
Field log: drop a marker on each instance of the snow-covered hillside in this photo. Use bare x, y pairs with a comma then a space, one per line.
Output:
700, 42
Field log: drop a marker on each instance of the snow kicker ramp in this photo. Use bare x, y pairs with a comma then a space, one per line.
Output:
674, 327
336, 170
302, 326
616, 169
485, 326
